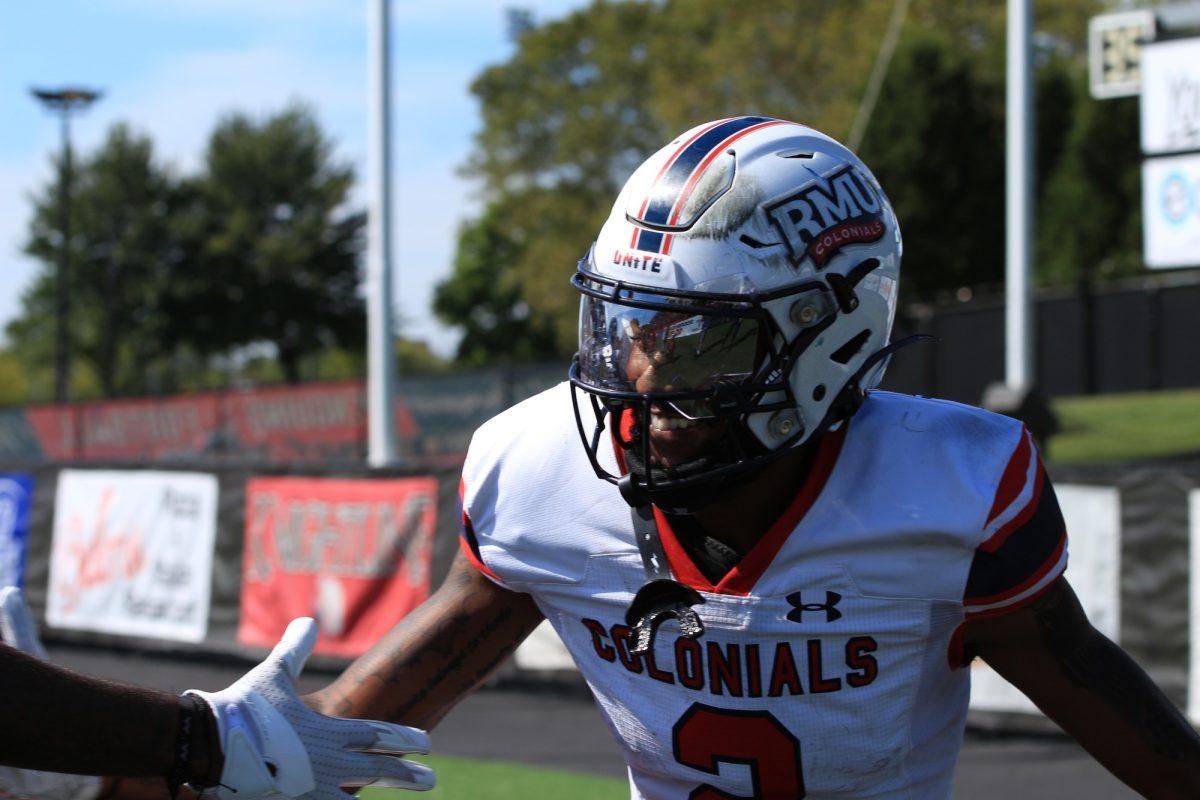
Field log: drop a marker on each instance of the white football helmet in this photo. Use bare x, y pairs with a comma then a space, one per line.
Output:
753, 262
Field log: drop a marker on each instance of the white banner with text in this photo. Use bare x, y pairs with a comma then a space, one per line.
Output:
132, 553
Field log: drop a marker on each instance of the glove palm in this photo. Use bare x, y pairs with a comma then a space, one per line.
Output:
276, 746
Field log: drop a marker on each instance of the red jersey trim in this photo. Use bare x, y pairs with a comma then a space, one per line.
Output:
956, 652
741, 579
1012, 598
624, 432
469, 530
477, 563
1013, 479
993, 542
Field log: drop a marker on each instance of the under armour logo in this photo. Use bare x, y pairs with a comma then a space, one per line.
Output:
799, 606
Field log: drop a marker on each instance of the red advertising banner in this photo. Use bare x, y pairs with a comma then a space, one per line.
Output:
138, 428
353, 553
315, 423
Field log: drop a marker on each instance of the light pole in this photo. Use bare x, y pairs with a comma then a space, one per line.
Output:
381, 348
1019, 368
63, 102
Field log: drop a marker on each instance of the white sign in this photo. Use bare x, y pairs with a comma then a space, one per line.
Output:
1193, 703
543, 650
1171, 211
1115, 52
1093, 513
132, 553
1171, 97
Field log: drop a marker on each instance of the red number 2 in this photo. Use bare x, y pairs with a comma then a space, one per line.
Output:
705, 736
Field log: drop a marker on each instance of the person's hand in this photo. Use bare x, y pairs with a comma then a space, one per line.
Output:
275, 746
17, 629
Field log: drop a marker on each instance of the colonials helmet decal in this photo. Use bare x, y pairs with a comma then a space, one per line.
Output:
819, 220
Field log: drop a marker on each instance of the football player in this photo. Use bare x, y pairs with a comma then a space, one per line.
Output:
772, 577
255, 739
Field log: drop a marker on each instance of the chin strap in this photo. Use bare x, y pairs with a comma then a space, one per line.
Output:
662, 597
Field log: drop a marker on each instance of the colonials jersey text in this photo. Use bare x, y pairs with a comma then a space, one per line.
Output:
830, 665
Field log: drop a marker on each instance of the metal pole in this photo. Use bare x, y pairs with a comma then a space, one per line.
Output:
63, 101
1019, 199
62, 290
381, 380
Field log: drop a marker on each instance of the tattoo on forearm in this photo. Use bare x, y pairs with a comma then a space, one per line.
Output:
452, 670
1092, 661
438, 653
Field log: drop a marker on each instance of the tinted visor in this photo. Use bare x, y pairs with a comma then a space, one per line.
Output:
623, 348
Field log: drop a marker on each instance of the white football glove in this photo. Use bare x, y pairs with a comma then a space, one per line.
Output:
18, 629
277, 747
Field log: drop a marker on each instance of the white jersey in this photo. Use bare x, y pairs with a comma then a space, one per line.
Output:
829, 666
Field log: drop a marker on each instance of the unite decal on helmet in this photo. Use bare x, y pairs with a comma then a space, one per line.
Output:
741, 292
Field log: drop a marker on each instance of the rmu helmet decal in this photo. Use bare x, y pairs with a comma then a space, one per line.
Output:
669, 193
840, 209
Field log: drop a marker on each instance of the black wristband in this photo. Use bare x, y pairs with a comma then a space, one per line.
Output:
193, 712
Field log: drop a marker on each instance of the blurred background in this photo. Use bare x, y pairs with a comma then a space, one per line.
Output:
183, 366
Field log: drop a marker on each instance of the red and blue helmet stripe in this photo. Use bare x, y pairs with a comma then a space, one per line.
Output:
669, 192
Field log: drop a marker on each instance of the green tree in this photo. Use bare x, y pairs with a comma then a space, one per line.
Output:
14, 379
122, 252
1091, 226
415, 357
483, 297
585, 98
801, 61
936, 146
579, 105
273, 252
565, 121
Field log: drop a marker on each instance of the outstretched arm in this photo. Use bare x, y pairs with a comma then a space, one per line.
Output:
252, 739
1094, 690
436, 655
57, 720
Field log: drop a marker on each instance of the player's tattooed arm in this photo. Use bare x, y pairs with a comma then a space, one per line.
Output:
436, 655
1094, 690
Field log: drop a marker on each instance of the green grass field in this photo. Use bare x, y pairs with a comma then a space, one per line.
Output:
1127, 427
473, 779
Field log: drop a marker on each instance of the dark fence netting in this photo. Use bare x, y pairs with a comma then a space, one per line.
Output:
1118, 339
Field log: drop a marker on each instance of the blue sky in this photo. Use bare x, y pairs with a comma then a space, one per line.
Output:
171, 68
